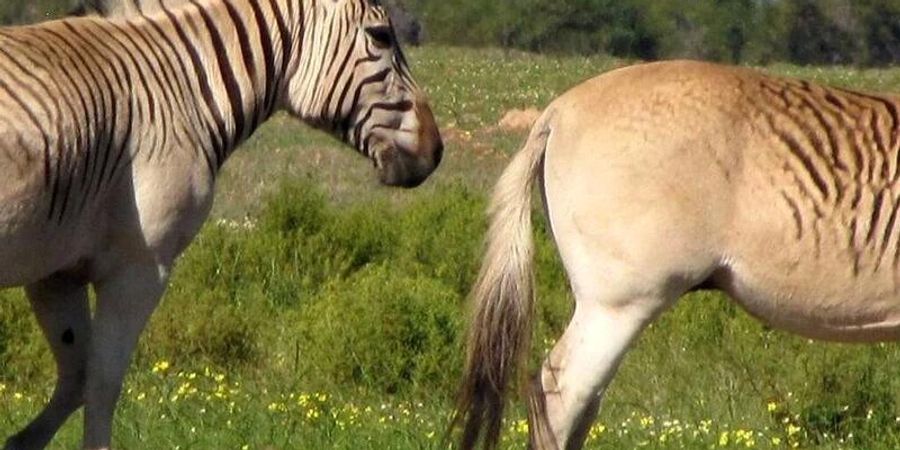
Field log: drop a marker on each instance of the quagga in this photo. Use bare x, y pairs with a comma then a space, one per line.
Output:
111, 136
407, 29
663, 178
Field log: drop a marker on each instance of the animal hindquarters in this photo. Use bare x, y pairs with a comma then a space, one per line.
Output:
636, 206
620, 282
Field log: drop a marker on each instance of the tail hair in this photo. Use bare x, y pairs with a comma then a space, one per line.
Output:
502, 299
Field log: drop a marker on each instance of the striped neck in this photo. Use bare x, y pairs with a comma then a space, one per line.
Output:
236, 55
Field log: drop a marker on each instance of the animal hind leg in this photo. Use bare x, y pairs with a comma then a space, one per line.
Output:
61, 307
565, 396
124, 304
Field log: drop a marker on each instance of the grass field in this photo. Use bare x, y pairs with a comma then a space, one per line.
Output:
318, 310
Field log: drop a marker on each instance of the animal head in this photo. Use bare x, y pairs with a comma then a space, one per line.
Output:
351, 78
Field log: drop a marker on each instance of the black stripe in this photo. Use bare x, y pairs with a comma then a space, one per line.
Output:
177, 58
156, 54
106, 87
326, 105
37, 123
329, 31
376, 78
839, 111
890, 106
824, 124
92, 149
886, 236
125, 142
365, 148
232, 88
402, 106
249, 61
798, 217
346, 90
60, 56
805, 160
27, 73
107, 123
59, 100
265, 39
286, 42
819, 147
205, 90
128, 52
893, 128
59, 136
851, 244
162, 88
165, 63
876, 214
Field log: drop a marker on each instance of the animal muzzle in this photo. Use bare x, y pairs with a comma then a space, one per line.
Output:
414, 155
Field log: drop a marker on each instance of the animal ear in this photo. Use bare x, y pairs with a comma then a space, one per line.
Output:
381, 35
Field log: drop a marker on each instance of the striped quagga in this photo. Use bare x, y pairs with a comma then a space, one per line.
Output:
407, 28
663, 178
111, 136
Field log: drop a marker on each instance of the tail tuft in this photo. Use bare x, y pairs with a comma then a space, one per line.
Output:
500, 328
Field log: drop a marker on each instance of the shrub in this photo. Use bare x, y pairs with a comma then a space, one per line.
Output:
441, 236
24, 354
383, 330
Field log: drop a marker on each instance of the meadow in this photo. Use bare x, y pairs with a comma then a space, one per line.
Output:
318, 310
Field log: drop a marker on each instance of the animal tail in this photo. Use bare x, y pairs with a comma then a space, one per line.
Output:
502, 298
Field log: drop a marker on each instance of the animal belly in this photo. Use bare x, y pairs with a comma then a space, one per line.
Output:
825, 273
30, 256
33, 247
813, 302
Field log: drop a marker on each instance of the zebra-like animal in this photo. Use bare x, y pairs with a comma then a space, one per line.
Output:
663, 178
111, 136
407, 28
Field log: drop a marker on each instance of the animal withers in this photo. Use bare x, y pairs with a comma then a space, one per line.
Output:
660, 178
112, 133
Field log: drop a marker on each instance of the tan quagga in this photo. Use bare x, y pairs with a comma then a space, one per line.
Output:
111, 136
663, 178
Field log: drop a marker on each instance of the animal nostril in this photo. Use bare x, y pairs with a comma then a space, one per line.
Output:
438, 152
68, 337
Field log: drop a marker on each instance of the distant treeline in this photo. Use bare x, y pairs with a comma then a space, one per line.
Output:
865, 32
862, 32
26, 11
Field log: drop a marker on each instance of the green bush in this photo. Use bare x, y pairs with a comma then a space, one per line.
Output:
441, 237
23, 353
882, 25
368, 294
385, 331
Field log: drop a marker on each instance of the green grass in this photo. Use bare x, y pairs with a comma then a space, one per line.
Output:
318, 310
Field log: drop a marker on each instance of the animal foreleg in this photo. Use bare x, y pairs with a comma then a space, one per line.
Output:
61, 307
124, 304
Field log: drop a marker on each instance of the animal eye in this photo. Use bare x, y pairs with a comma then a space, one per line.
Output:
381, 35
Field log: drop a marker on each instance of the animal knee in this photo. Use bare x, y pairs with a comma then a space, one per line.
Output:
72, 385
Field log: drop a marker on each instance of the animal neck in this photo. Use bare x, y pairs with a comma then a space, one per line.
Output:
237, 55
